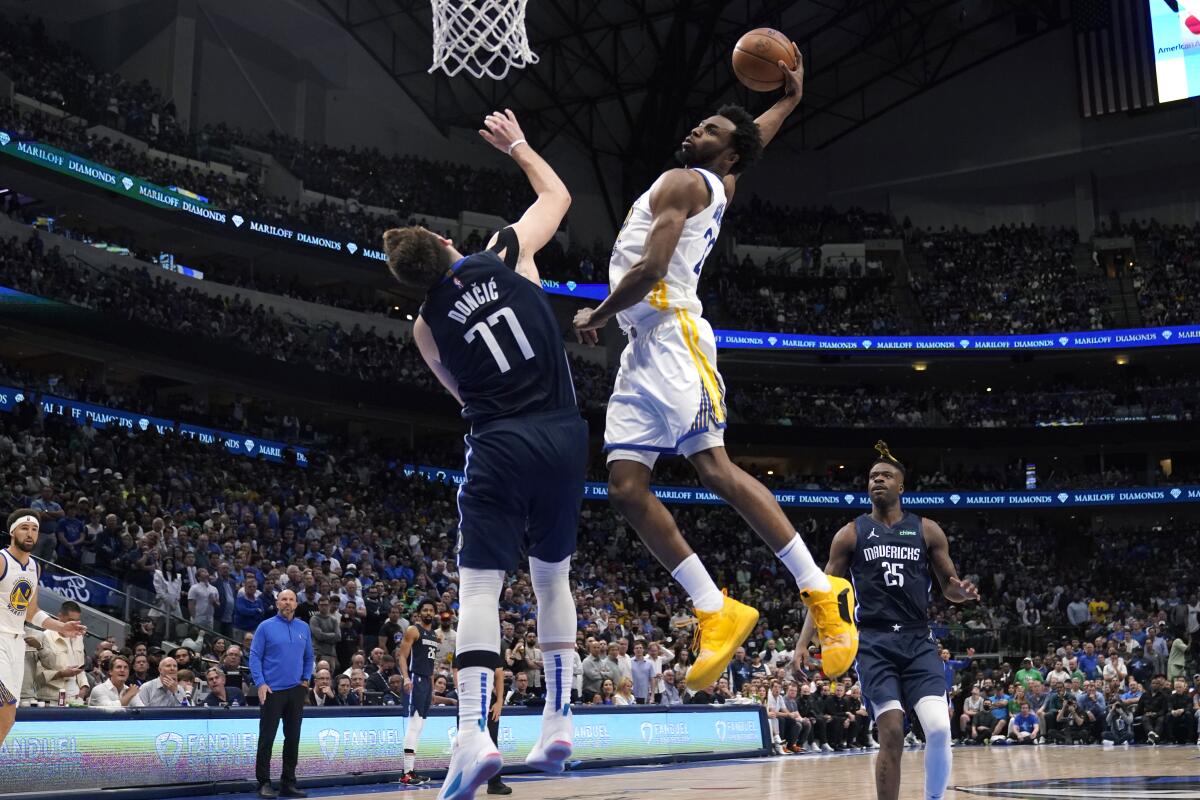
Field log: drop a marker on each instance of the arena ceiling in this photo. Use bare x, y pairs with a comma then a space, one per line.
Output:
623, 77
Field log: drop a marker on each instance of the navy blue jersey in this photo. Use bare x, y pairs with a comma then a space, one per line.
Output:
890, 572
423, 654
497, 335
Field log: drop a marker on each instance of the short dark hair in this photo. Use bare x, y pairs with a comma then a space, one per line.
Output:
427, 602
22, 512
69, 606
746, 139
414, 249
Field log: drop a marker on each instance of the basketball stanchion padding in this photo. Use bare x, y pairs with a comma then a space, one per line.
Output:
484, 37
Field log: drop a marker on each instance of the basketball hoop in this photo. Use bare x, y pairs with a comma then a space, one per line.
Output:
484, 37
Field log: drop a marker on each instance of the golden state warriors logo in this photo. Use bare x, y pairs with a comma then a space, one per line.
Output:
19, 597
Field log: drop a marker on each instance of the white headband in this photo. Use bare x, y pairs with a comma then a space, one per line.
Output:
22, 521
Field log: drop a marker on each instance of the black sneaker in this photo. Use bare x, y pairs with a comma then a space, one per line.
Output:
414, 778
497, 786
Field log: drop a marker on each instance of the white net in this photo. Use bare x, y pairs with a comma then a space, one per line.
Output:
484, 37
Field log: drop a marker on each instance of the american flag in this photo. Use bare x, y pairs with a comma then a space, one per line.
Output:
1114, 55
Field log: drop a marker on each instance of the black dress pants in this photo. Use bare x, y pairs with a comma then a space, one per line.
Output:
288, 705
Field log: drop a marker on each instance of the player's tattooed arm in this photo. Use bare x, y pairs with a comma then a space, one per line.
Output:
423, 336
841, 552
771, 120
681, 194
938, 547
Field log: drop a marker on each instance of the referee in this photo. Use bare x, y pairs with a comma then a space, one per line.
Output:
281, 663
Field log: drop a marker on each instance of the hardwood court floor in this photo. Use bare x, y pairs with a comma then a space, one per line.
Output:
1137, 772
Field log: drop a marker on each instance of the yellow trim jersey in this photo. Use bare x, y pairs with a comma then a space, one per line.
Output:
676, 292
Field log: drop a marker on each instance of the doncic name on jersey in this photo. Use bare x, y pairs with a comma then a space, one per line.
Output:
472, 299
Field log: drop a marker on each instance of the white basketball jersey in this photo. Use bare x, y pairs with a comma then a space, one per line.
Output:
17, 585
678, 290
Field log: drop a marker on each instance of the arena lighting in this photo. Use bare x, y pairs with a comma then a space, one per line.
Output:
1122, 360
920, 366
408, 317
770, 472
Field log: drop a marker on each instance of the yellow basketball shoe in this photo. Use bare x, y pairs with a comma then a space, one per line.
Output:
718, 635
833, 612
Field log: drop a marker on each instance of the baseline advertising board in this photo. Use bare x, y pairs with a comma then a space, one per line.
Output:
686, 495
83, 751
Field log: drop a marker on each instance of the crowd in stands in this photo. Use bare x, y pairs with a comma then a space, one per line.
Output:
1018, 279
1166, 274
206, 539
1141, 399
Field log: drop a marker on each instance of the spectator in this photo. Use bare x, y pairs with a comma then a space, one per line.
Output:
115, 692
1024, 728
164, 691
670, 694
250, 607
61, 662
203, 600
219, 694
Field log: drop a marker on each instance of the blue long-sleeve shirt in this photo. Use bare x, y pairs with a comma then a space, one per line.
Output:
248, 613
281, 654
952, 666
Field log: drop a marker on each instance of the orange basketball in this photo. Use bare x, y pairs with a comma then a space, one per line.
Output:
756, 58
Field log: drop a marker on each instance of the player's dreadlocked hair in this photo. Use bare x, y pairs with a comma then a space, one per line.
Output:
746, 138
414, 252
885, 457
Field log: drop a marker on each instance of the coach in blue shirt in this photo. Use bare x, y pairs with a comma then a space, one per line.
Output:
281, 663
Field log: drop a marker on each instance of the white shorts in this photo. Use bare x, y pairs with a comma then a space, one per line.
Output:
668, 396
12, 667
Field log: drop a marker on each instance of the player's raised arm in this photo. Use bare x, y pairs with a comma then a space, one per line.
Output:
770, 121
953, 589
540, 221
841, 551
681, 193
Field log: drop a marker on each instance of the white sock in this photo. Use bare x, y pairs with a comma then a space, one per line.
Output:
559, 666
935, 721
474, 693
800, 562
696, 581
410, 761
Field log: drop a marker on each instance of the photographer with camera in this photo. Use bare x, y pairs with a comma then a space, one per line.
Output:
1071, 723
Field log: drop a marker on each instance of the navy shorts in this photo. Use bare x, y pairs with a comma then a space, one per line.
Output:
899, 667
523, 490
421, 696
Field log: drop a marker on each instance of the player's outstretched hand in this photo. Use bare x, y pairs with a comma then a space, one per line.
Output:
501, 129
72, 629
587, 325
793, 79
960, 591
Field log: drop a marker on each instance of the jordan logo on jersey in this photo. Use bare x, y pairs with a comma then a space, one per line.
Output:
19, 597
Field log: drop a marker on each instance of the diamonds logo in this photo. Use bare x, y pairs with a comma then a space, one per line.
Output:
571, 286
720, 726
1167, 335
144, 424
169, 747
4, 139
867, 343
647, 732
1062, 497
849, 499
329, 739
1176, 492
352, 247
237, 220
249, 445
771, 340
954, 498
18, 398
127, 182
1063, 340
964, 343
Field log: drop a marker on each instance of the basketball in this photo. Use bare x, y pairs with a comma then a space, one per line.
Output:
756, 58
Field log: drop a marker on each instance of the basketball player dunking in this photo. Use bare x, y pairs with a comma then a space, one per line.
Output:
669, 397
418, 653
890, 554
18, 591
488, 332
